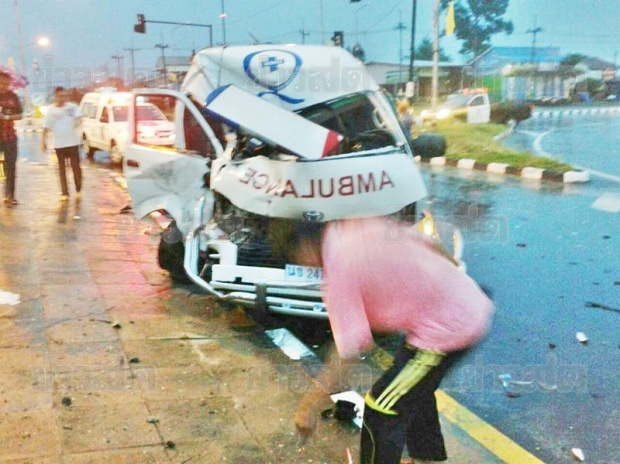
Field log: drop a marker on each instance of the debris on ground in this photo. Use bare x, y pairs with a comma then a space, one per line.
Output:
578, 454
590, 304
582, 337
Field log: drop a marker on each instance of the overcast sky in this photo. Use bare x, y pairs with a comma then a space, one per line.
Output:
89, 33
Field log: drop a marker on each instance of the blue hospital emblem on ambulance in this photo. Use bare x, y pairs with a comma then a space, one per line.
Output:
274, 70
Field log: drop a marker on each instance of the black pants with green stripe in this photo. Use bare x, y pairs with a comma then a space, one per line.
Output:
417, 423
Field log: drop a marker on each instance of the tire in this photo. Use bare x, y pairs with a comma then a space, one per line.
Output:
429, 145
116, 156
87, 149
171, 252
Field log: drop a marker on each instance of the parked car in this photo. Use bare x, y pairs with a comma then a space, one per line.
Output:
105, 123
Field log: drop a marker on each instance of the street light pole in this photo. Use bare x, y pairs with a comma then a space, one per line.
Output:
22, 60
223, 16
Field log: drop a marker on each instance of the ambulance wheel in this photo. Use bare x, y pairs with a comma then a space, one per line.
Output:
116, 156
86, 148
171, 253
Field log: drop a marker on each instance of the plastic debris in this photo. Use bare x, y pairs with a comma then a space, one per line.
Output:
582, 337
355, 398
9, 298
547, 386
578, 454
506, 380
289, 344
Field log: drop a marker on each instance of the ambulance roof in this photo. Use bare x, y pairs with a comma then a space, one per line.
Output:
292, 76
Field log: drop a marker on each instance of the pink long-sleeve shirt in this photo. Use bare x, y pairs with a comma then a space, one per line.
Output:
383, 276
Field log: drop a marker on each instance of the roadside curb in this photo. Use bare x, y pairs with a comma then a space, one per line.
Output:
502, 168
574, 112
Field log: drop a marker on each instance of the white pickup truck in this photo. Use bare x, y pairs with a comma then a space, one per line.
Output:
470, 105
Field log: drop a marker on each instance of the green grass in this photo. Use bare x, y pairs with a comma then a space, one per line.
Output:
475, 141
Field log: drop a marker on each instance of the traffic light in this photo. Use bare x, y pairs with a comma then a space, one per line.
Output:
140, 26
338, 38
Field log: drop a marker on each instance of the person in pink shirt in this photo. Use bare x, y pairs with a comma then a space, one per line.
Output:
382, 276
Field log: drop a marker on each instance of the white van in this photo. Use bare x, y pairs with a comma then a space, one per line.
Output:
105, 124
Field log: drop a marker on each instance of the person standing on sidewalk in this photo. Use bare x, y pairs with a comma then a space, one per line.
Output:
62, 120
382, 276
10, 111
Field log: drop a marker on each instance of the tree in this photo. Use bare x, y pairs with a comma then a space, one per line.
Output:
573, 59
476, 21
425, 51
358, 52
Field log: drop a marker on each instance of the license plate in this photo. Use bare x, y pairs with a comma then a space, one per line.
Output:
296, 273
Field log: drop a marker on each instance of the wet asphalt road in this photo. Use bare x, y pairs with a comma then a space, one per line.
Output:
552, 263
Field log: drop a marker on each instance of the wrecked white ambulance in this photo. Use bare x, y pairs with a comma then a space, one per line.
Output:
263, 134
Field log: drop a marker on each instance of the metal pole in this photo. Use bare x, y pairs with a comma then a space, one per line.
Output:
322, 22
412, 48
435, 83
223, 16
22, 60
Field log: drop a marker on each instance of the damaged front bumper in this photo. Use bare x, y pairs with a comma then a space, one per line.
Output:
265, 289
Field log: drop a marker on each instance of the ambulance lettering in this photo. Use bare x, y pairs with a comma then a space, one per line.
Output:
318, 188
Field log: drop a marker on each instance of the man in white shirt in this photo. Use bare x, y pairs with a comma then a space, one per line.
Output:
62, 120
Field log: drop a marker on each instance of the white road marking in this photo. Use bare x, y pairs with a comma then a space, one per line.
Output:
608, 202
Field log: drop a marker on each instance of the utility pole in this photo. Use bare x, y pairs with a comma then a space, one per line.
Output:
119, 67
304, 33
412, 47
162, 46
223, 16
131, 50
534, 31
435, 80
400, 28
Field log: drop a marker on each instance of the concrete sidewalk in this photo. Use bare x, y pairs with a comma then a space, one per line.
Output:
106, 361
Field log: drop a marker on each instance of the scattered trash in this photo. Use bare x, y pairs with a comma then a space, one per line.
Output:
152, 420
349, 456
77, 218
578, 454
581, 337
116, 325
547, 386
506, 380
9, 298
126, 209
289, 344
66, 401
170, 444
343, 411
590, 304
349, 404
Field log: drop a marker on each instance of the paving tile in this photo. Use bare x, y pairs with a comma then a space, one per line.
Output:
29, 434
79, 331
179, 383
105, 427
210, 452
162, 353
62, 300
144, 455
209, 419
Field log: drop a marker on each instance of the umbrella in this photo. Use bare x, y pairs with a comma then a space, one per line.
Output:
18, 81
